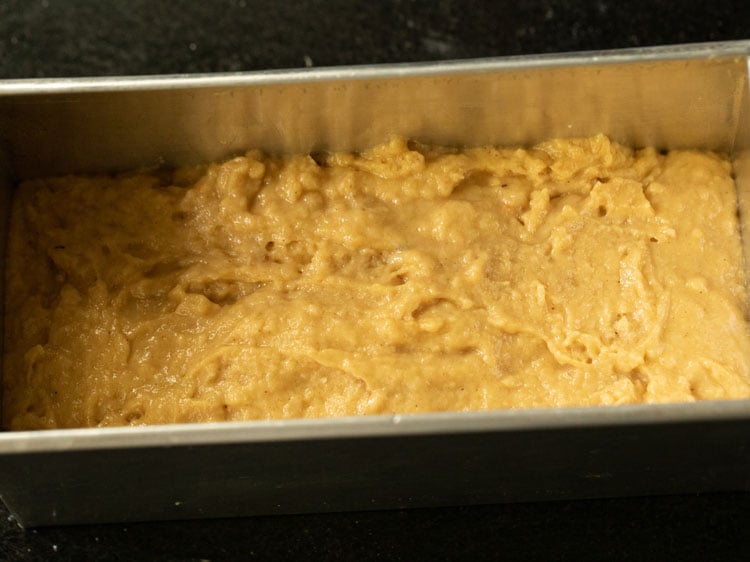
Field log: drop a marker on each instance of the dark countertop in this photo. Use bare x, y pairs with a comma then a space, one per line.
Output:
86, 37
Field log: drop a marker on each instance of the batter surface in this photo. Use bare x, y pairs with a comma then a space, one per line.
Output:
402, 279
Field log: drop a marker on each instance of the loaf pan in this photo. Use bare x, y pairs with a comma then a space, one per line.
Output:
692, 96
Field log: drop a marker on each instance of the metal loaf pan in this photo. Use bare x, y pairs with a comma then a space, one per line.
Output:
670, 97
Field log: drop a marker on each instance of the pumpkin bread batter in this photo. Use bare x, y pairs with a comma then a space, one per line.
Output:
402, 279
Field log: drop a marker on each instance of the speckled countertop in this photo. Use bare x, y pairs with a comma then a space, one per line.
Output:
89, 38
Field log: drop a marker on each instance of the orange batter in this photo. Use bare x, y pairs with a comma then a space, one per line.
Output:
403, 279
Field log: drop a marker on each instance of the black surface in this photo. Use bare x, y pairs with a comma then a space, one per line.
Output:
77, 38
90, 37
712, 527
